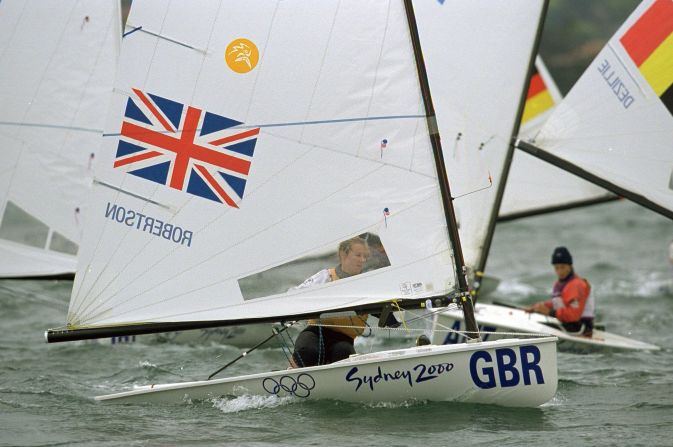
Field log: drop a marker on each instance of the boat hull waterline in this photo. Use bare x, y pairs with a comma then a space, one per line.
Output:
494, 318
508, 372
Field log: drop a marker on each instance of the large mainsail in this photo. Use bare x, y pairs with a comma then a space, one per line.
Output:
241, 139
615, 127
58, 61
478, 56
534, 187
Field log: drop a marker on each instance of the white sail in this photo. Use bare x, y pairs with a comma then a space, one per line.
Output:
58, 61
534, 186
304, 125
616, 123
477, 77
542, 96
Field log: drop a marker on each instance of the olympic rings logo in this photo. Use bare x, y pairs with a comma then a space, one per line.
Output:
300, 386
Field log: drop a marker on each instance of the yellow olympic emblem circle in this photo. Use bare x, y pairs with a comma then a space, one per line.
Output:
241, 55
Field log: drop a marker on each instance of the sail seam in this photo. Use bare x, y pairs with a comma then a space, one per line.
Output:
303, 123
129, 283
375, 77
266, 299
50, 126
320, 70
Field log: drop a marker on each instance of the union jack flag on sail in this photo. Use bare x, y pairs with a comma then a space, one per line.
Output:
185, 148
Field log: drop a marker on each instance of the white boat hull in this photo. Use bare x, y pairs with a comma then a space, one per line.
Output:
512, 372
493, 318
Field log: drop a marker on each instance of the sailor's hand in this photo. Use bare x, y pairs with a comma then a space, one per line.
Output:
541, 309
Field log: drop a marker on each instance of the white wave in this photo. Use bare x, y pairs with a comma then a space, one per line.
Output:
643, 285
556, 401
146, 364
249, 402
392, 405
515, 289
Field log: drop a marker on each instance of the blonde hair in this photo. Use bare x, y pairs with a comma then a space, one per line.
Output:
346, 246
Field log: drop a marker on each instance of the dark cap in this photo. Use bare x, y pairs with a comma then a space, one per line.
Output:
561, 255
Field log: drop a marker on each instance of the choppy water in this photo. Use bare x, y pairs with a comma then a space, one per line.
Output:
603, 399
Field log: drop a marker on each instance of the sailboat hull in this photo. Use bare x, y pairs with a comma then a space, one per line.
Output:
521, 373
22, 261
494, 318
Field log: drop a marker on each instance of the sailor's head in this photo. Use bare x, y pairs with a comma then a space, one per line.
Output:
562, 262
353, 254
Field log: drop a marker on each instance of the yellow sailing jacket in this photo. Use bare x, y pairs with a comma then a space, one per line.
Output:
358, 322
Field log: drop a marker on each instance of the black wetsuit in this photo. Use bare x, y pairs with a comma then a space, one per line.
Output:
318, 345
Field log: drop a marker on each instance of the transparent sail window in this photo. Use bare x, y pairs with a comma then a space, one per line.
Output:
62, 244
19, 226
349, 256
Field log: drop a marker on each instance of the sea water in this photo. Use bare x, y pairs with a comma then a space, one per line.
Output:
603, 399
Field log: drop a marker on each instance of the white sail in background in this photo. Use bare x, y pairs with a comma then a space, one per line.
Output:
616, 124
477, 76
534, 186
246, 135
58, 61
542, 96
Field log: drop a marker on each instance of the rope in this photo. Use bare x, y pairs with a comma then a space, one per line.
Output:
321, 346
399, 309
285, 342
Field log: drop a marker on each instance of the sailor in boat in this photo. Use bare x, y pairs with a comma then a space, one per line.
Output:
331, 339
571, 302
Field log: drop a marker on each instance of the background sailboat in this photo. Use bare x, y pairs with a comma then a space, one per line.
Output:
479, 81
610, 138
534, 187
614, 127
245, 160
58, 62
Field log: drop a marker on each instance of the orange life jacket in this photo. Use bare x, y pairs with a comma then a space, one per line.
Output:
574, 294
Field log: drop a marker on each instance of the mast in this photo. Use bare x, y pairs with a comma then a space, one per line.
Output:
500, 192
447, 199
574, 169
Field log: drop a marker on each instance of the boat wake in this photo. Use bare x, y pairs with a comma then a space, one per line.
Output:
245, 403
394, 405
514, 290
651, 285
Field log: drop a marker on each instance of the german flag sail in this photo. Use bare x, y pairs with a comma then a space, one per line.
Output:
649, 43
538, 100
